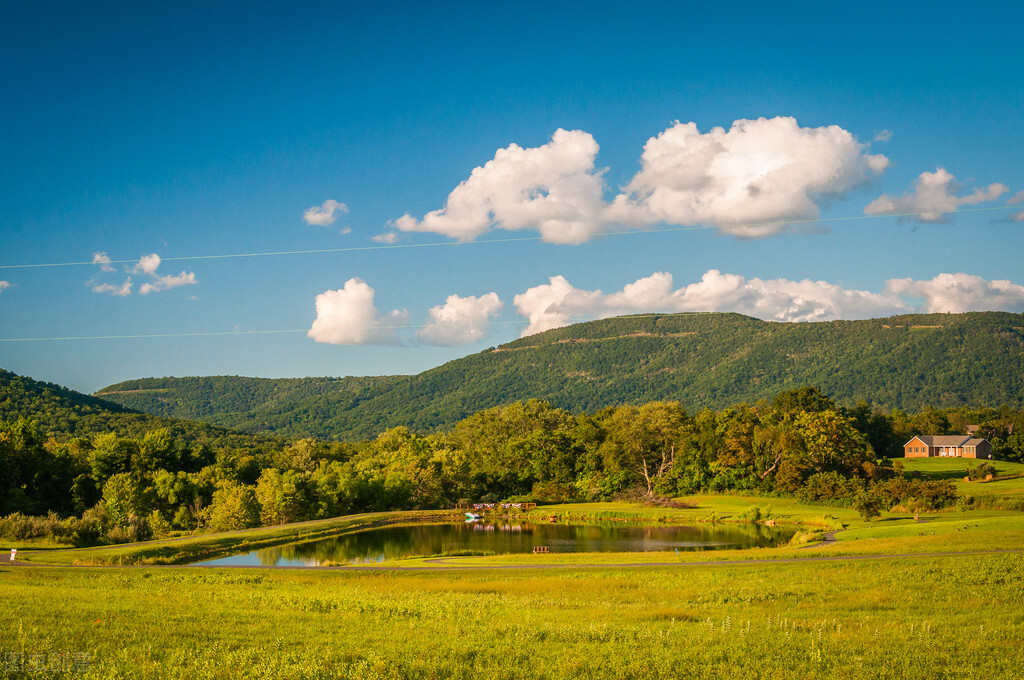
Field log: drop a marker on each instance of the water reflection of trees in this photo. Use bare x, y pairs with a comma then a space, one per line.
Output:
391, 543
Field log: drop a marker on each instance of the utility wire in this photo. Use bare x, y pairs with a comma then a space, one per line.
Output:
519, 239
519, 322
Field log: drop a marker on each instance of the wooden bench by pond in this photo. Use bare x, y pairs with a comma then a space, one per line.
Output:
540, 550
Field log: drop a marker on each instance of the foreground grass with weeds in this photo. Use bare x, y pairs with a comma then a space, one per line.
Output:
926, 617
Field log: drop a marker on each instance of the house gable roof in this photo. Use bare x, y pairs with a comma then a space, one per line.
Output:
946, 440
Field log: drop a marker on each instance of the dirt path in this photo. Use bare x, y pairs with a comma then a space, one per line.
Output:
826, 540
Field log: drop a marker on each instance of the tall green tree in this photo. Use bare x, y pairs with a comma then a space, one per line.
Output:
234, 507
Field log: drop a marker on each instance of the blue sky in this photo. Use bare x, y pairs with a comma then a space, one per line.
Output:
482, 171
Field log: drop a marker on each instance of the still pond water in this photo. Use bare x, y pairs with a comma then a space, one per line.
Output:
400, 542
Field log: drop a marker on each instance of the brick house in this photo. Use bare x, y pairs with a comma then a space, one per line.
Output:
947, 446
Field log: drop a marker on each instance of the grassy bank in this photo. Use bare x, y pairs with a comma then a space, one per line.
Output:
188, 549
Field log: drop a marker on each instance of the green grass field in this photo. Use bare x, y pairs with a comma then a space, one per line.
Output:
882, 604
956, 468
927, 617
999, 493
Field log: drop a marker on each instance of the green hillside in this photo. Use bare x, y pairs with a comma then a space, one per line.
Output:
221, 399
702, 360
64, 413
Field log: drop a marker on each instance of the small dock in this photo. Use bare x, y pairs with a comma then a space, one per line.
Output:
485, 507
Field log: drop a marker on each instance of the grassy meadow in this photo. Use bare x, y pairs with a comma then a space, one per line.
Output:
893, 598
1006, 490
926, 617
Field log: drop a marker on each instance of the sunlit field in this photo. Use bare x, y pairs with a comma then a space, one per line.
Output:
927, 617
999, 493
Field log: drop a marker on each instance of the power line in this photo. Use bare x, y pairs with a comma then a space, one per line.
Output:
519, 239
202, 334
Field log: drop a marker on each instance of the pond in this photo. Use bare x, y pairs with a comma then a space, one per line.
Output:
500, 538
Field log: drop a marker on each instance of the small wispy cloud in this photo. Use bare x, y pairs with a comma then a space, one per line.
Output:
4, 285
168, 282
883, 135
103, 260
124, 290
147, 266
1016, 198
388, 237
325, 214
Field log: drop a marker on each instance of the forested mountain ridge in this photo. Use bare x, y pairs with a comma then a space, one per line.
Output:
65, 414
702, 360
205, 397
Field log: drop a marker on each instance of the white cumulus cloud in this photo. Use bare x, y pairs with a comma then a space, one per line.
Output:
957, 293
749, 180
461, 320
553, 188
147, 264
347, 316
558, 303
325, 214
934, 196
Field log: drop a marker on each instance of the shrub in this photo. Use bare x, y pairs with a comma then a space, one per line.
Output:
136, 529
868, 505
665, 502
915, 494
751, 514
21, 527
826, 486
90, 529
981, 470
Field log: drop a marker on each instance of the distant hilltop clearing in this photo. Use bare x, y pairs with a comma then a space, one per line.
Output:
710, 360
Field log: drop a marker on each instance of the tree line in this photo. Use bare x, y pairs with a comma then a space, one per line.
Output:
110, 488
